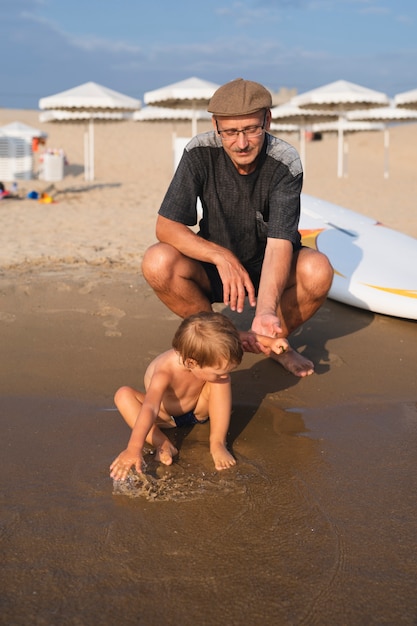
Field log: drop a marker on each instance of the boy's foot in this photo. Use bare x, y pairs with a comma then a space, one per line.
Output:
294, 362
166, 452
221, 457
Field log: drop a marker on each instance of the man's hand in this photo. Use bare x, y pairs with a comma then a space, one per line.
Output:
267, 324
236, 282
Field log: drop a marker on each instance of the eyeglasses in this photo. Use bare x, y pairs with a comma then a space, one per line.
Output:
250, 131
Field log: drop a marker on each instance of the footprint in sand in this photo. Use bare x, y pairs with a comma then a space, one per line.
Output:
334, 359
88, 288
7, 318
62, 287
114, 316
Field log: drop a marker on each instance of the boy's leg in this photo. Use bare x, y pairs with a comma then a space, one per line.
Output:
129, 402
165, 451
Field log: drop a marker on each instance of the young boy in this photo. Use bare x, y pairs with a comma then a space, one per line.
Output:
184, 386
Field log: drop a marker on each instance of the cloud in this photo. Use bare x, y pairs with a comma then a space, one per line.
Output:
405, 19
299, 52
92, 43
83, 42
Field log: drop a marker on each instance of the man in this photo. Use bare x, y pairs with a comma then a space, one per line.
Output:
249, 184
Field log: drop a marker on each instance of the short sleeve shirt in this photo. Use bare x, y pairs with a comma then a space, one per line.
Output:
239, 211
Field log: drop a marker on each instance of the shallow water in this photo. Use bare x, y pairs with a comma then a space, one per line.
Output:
316, 524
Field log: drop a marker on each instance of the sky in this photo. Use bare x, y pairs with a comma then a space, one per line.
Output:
135, 46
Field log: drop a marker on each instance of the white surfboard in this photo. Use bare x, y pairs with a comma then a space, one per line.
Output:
375, 267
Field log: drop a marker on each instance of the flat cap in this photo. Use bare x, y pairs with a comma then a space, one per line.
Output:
239, 97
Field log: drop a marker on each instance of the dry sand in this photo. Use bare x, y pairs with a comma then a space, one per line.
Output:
317, 522
113, 217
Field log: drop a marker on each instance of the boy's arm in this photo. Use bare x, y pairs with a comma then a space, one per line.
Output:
269, 344
132, 455
220, 408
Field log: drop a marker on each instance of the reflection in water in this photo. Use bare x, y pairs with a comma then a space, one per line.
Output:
315, 524
186, 480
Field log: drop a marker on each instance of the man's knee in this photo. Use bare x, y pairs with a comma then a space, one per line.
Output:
323, 272
157, 261
317, 271
326, 272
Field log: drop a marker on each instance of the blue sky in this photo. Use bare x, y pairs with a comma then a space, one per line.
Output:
133, 46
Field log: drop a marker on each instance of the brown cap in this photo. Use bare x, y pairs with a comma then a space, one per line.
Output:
239, 97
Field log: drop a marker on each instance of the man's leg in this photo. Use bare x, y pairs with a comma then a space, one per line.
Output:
309, 283
182, 285
310, 280
180, 282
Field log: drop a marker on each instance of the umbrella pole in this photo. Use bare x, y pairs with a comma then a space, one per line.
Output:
303, 147
194, 123
386, 152
86, 167
91, 148
345, 159
340, 148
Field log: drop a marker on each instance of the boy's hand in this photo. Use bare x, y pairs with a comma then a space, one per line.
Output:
120, 467
259, 343
279, 345
250, 342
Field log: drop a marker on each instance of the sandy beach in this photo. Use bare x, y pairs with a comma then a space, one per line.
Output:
316, 524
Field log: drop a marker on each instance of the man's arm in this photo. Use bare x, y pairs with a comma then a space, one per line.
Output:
235, 279
275, 273
186, 241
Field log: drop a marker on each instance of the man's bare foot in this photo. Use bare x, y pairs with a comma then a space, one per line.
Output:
294, 362
166, 452
221, 456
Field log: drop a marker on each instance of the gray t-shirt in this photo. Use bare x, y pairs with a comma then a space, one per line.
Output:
239, 211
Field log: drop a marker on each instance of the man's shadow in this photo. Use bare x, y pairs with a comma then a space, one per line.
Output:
259, 376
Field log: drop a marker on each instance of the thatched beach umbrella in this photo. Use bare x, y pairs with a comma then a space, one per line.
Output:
341, 97
386, 116
89, 101
348, 127
158, 114
192, 93
289, 113
406, 99
164, 114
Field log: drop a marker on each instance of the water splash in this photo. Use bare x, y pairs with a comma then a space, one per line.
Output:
178, 482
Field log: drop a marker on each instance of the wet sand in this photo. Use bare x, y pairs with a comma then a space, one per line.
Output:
315, 525
317, 522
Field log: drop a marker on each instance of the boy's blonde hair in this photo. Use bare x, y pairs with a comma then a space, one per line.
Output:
208, 338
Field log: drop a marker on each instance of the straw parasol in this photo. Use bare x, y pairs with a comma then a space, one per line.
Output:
406, 99
348, 127
156, 114
386, 116
88, 101
341, 96
192, 93
289, 113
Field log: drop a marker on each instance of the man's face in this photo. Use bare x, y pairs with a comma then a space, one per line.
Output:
243, 148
